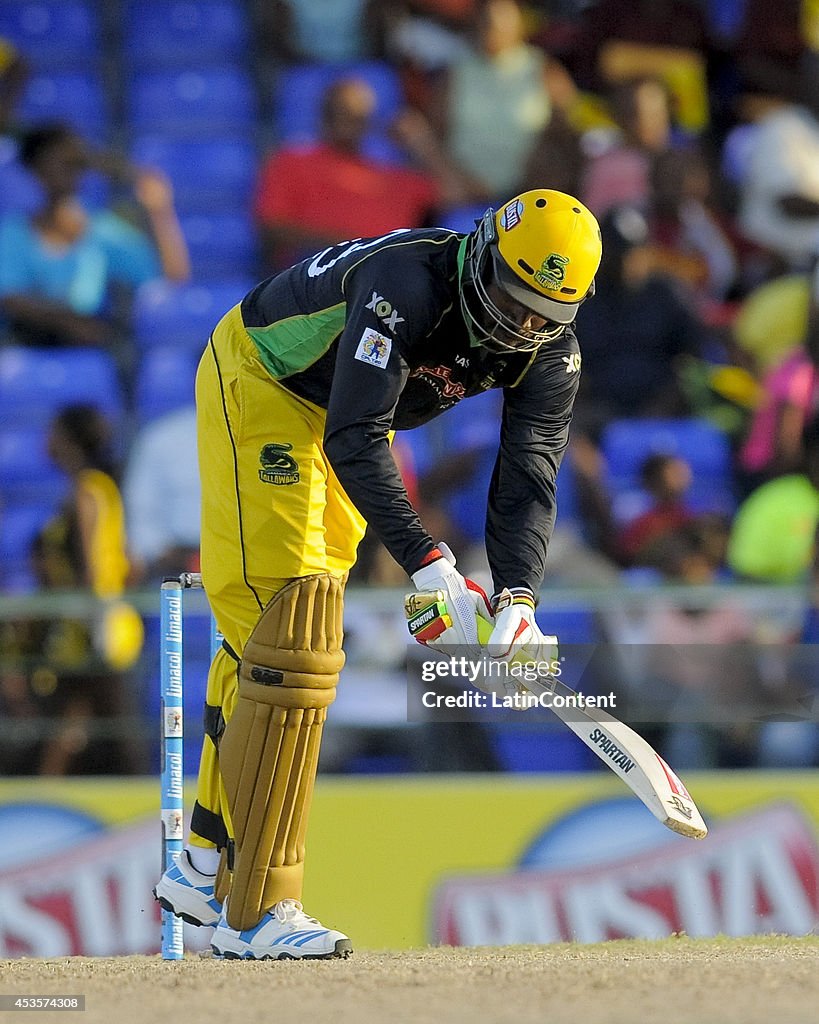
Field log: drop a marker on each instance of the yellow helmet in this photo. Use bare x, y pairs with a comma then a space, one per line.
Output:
528, 267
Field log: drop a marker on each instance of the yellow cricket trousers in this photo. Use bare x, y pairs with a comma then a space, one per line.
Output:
272, 510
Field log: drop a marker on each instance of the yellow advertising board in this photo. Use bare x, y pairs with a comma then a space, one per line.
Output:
404, 861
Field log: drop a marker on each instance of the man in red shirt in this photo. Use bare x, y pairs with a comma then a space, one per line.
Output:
325, 192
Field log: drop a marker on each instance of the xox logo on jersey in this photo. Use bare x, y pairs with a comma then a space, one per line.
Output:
384, 311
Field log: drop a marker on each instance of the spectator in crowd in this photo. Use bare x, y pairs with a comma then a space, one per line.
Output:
323, 31
635, 330
57, 266
700, 662
769, 46
790, 399
621, 174
779, 201
162, 496
497, 100
691, 241
667, 479
78, 664
421, 38
319, 194
666, 39
773, 533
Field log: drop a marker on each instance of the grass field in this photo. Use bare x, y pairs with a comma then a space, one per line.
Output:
774, 980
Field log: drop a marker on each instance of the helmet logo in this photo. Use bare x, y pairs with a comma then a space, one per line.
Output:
552, 271
510, 218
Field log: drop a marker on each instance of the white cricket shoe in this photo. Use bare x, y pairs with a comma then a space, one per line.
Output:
284, 933
187, 893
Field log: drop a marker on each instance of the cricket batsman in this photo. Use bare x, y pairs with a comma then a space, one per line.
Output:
297, 394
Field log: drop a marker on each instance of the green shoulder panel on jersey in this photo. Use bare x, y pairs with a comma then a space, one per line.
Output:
291, 345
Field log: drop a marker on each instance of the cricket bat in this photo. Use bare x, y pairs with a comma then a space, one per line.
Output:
627, 754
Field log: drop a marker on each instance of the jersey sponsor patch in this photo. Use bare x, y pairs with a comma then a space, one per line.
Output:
374, 348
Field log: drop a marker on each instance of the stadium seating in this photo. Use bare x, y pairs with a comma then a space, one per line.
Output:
165, 381
25, 466
52, 34
540, 748
221, 244
462, 218
19, 191
207, 174
184, 33
183, 316
193, 103
36, 383
627, 443
297, 102
19, 525
75, 97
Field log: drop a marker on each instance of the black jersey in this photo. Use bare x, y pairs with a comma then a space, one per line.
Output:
371, 330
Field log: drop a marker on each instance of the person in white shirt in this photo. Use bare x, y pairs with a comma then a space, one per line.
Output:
780, 192
162, 496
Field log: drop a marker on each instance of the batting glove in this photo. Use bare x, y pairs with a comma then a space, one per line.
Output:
465, 600
516, 633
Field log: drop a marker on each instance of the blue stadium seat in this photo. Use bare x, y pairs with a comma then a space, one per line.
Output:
573, 625
207, 174
540, 749
462, 218
25, 465
297, 102
205, 101
181, 33
19, 525
19, 190
52, 33
76, 97
183, 315
221, 244
627, 443
165, 380
36, 383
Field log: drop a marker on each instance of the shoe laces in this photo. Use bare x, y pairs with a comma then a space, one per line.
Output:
290, 911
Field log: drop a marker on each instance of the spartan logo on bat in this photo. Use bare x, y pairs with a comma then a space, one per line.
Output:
277, 466
552, 271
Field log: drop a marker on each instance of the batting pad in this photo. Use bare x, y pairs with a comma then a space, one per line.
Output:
269, 751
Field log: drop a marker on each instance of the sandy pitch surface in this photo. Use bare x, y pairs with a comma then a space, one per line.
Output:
772, 980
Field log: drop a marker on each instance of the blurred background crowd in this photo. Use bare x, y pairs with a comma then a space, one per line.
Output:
158, 157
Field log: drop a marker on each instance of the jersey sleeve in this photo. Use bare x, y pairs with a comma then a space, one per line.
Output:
534, 435
370, 373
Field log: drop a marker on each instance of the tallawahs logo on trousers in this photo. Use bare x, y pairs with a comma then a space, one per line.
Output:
277, 466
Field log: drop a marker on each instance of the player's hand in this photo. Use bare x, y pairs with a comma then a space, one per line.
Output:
465, 601
516, 634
